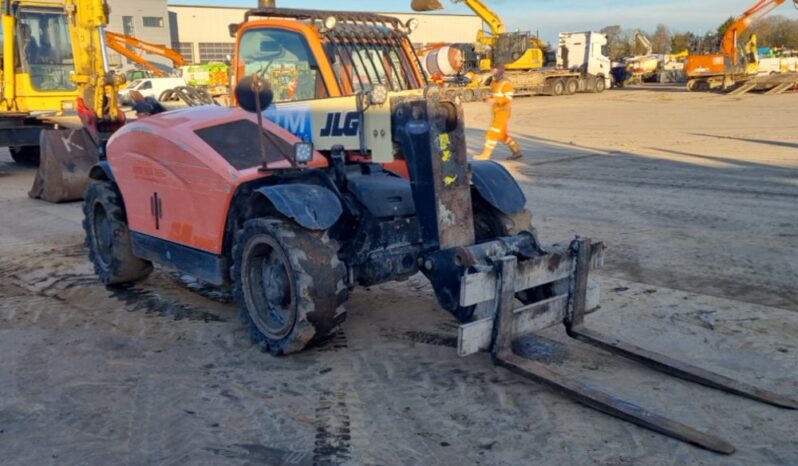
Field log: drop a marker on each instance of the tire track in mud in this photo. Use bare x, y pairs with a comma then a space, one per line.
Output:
65, 275
332, 445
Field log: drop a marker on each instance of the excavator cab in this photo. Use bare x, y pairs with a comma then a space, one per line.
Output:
44, 58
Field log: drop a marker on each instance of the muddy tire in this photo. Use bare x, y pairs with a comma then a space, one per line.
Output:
558, 87
108, 236
571, 86
289, 283
469, 95
27, 156
601, 85
489, 224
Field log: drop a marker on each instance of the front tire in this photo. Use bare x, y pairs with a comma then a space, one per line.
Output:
289, 283
108, 236
601, 84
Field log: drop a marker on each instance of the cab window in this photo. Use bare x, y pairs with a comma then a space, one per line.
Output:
285, 59
45, 49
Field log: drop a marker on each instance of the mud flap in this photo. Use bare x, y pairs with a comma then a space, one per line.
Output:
67, 157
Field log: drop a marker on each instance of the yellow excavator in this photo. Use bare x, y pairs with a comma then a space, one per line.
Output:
582, 65
58, 100
514, 50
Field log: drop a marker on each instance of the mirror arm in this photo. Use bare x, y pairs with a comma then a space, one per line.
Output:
362, 98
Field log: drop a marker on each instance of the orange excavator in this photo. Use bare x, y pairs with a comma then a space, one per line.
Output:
125, 45
724, 69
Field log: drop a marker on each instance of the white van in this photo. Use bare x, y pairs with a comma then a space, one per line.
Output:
149, 87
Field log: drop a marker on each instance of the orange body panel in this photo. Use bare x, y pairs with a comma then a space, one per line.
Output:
705, 65
194, 184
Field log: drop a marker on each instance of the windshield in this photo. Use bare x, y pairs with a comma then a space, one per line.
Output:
284, 58
359, 65
45, 49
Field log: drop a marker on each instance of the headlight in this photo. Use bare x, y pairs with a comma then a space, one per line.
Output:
378, 94
412, 24
330, 22
303, 153
67, 106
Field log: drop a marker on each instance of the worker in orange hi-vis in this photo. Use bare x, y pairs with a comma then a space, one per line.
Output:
501, 100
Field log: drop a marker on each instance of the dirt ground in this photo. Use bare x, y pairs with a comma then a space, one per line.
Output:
696, 196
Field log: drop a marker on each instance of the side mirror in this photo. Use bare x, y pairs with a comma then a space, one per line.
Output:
254, 94
233, 29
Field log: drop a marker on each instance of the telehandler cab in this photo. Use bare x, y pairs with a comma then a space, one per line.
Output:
360, 176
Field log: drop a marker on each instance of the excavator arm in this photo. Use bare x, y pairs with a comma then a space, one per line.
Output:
98, 86
741, 24
120, 43
487, 15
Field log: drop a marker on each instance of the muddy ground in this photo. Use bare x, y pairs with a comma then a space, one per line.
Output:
696, 196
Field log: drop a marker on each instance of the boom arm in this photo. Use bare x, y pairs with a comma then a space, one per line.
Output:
120, 44
741, 24
492, 19
98, 86
487, 15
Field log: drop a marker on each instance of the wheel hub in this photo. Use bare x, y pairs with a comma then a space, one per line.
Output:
270, 288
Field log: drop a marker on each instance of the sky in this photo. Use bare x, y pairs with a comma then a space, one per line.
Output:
550, 17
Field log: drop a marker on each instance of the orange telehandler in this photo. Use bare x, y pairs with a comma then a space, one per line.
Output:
359, 177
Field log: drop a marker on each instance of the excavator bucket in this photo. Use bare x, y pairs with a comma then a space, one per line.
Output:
67, 156
426, 5
511, 329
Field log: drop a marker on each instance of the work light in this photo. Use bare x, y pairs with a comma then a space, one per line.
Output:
330, 22
378, 94
303, 153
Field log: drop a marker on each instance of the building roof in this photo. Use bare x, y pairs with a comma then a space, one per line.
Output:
243, 8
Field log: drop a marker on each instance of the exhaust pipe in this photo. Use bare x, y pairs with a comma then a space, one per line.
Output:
267, 3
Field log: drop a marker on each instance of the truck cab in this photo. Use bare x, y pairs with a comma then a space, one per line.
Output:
585, 52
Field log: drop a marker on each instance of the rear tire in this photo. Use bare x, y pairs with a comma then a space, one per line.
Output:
571, 86
558, 88
108, 236
27, 156
289, 283
469, 95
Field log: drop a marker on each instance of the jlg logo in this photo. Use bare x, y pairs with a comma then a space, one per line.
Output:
335, 127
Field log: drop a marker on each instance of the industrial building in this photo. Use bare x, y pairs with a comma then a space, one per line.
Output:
200, 32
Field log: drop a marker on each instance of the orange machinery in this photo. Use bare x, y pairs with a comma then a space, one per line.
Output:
122, 44
723, 69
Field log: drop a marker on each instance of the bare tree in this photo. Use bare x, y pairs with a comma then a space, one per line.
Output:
661, 40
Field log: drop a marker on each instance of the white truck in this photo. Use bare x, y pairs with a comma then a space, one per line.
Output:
586, 53
149, 87
582, 66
